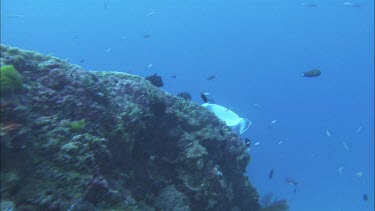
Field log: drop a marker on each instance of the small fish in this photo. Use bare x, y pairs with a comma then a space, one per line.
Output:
146, 36
256, 143
340, 169
152, 12
15, 16
173, 76
359, 129
123, 37
211, 77
351, 4
345, 146
328, 133
280, 142
291, 181
270, 175
257, 105
247, 142
74, 37
205, 98
359, 174
150, 65
365, 197
309, 4
81, 61
273, 121
108, 50
312, 73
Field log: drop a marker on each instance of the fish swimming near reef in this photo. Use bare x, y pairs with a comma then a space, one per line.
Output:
247, 142
230, 118
312, 73
205, 98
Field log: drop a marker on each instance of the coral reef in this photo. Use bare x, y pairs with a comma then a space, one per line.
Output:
184, 95
86, 140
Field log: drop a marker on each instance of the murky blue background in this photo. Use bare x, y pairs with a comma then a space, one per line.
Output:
257, 49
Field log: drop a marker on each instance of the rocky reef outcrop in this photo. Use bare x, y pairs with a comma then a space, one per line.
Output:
87, 140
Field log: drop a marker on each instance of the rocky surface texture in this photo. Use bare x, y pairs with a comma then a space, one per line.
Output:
83, 140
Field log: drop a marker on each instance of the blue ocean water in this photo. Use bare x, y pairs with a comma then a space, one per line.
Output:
323, 136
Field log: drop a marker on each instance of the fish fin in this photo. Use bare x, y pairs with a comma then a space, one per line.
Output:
243, 125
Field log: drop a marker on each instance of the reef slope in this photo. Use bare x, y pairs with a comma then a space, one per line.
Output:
88, 140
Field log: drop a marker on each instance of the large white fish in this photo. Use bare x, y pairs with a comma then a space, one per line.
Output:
230, 118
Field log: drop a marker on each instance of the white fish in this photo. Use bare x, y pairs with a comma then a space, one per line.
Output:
359, 174
150, 65
15, 16
273, 121
351, 4
340, 169
328, 133
108, 50
280, 142
152, 12
230, 118
256, 143
359, 129
345, 145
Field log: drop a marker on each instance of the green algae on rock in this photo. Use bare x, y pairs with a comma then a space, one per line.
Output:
11, 80
134, 147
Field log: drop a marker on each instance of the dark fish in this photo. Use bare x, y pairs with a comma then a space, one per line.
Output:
291, 181
74, 37
211, 77
173, 76
312, 73
270, 175
146, 36
81, 61
365, 197
204, 97
247, 142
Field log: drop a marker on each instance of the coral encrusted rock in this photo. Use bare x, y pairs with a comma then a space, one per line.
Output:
87, 140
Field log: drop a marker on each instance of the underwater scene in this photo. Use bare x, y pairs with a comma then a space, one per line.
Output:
159, 105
